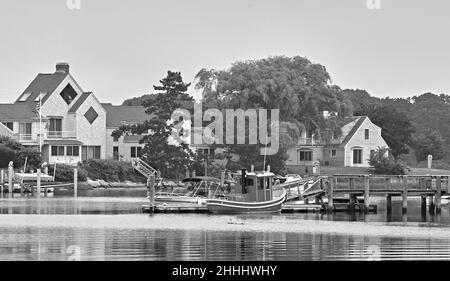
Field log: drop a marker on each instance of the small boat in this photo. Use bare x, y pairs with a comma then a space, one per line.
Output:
196, 191
253, 194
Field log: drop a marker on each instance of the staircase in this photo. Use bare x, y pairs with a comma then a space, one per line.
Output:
145, 169
303, 188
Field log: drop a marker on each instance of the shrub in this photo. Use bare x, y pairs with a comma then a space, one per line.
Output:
383, 164
6, 155
111, 170
10, 143
64, 173
33, 157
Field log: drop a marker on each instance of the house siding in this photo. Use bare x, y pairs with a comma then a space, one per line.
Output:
124, 147
358, 141
92, 134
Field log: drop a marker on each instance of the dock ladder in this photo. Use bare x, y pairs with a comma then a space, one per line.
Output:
145, 169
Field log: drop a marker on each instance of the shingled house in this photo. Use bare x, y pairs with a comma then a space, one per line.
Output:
74, 125
358, 139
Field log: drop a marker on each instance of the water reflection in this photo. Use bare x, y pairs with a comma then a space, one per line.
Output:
115, 229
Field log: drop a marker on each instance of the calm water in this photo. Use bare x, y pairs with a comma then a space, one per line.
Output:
108, 228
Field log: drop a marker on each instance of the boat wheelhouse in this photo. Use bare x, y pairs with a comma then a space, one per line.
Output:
254, 193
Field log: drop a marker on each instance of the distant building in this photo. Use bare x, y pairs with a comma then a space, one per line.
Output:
358, 139
75, 125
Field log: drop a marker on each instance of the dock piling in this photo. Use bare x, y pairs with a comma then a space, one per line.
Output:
438, 194
75, 182
352, 203
151, 193
38, 183
366, 193
431, 204
330, 195
423, 204
2, 181
405, 194
389, 203
10, 178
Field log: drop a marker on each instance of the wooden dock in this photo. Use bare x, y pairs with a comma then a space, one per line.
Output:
183, 208
422, 186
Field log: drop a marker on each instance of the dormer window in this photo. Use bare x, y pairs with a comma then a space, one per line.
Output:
68, 94
24, 97
40, 96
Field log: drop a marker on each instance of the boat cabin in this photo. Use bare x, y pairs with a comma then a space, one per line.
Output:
256, 186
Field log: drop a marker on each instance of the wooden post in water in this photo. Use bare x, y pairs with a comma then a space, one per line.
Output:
75, 182
10, 178
151, 193
352, 203
38, 183
330, 195
438, 194
423, 204
2, 182
431, 204
389, 203
366, 193
405, 195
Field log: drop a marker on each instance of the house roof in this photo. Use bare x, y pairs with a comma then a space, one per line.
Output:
63, 142
79, 102
17, 111
132, 138
353, 131
44, 82
118, 115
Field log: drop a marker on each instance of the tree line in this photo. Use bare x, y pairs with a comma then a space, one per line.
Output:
302, 90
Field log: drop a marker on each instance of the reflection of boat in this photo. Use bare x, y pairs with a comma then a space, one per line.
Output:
196, 190
253, 194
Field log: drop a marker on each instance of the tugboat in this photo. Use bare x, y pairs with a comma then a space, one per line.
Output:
253, 193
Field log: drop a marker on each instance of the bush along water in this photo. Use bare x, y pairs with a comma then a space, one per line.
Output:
106, 170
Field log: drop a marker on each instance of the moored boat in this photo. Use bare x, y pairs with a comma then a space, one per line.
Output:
254, 193
196, 191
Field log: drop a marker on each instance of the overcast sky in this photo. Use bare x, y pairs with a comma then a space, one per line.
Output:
120, 48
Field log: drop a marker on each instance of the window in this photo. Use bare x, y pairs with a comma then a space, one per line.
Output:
55, 128
305, 155
357, 156
372, 153
57, 150
10, 125
68, 94
366, 134
40, 96
261, 183
136, 151
25, 131
72, 150
90, 152
91, 115
207, 151
115, 138
333, 153
24, 97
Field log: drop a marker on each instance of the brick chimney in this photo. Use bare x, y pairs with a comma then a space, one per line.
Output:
62, 67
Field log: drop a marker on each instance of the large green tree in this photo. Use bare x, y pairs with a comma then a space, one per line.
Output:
397, 129
300, 89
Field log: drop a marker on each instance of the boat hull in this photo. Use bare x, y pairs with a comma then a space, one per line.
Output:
180, 199
218, 206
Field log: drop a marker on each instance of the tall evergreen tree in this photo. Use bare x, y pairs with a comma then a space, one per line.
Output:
170, 158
